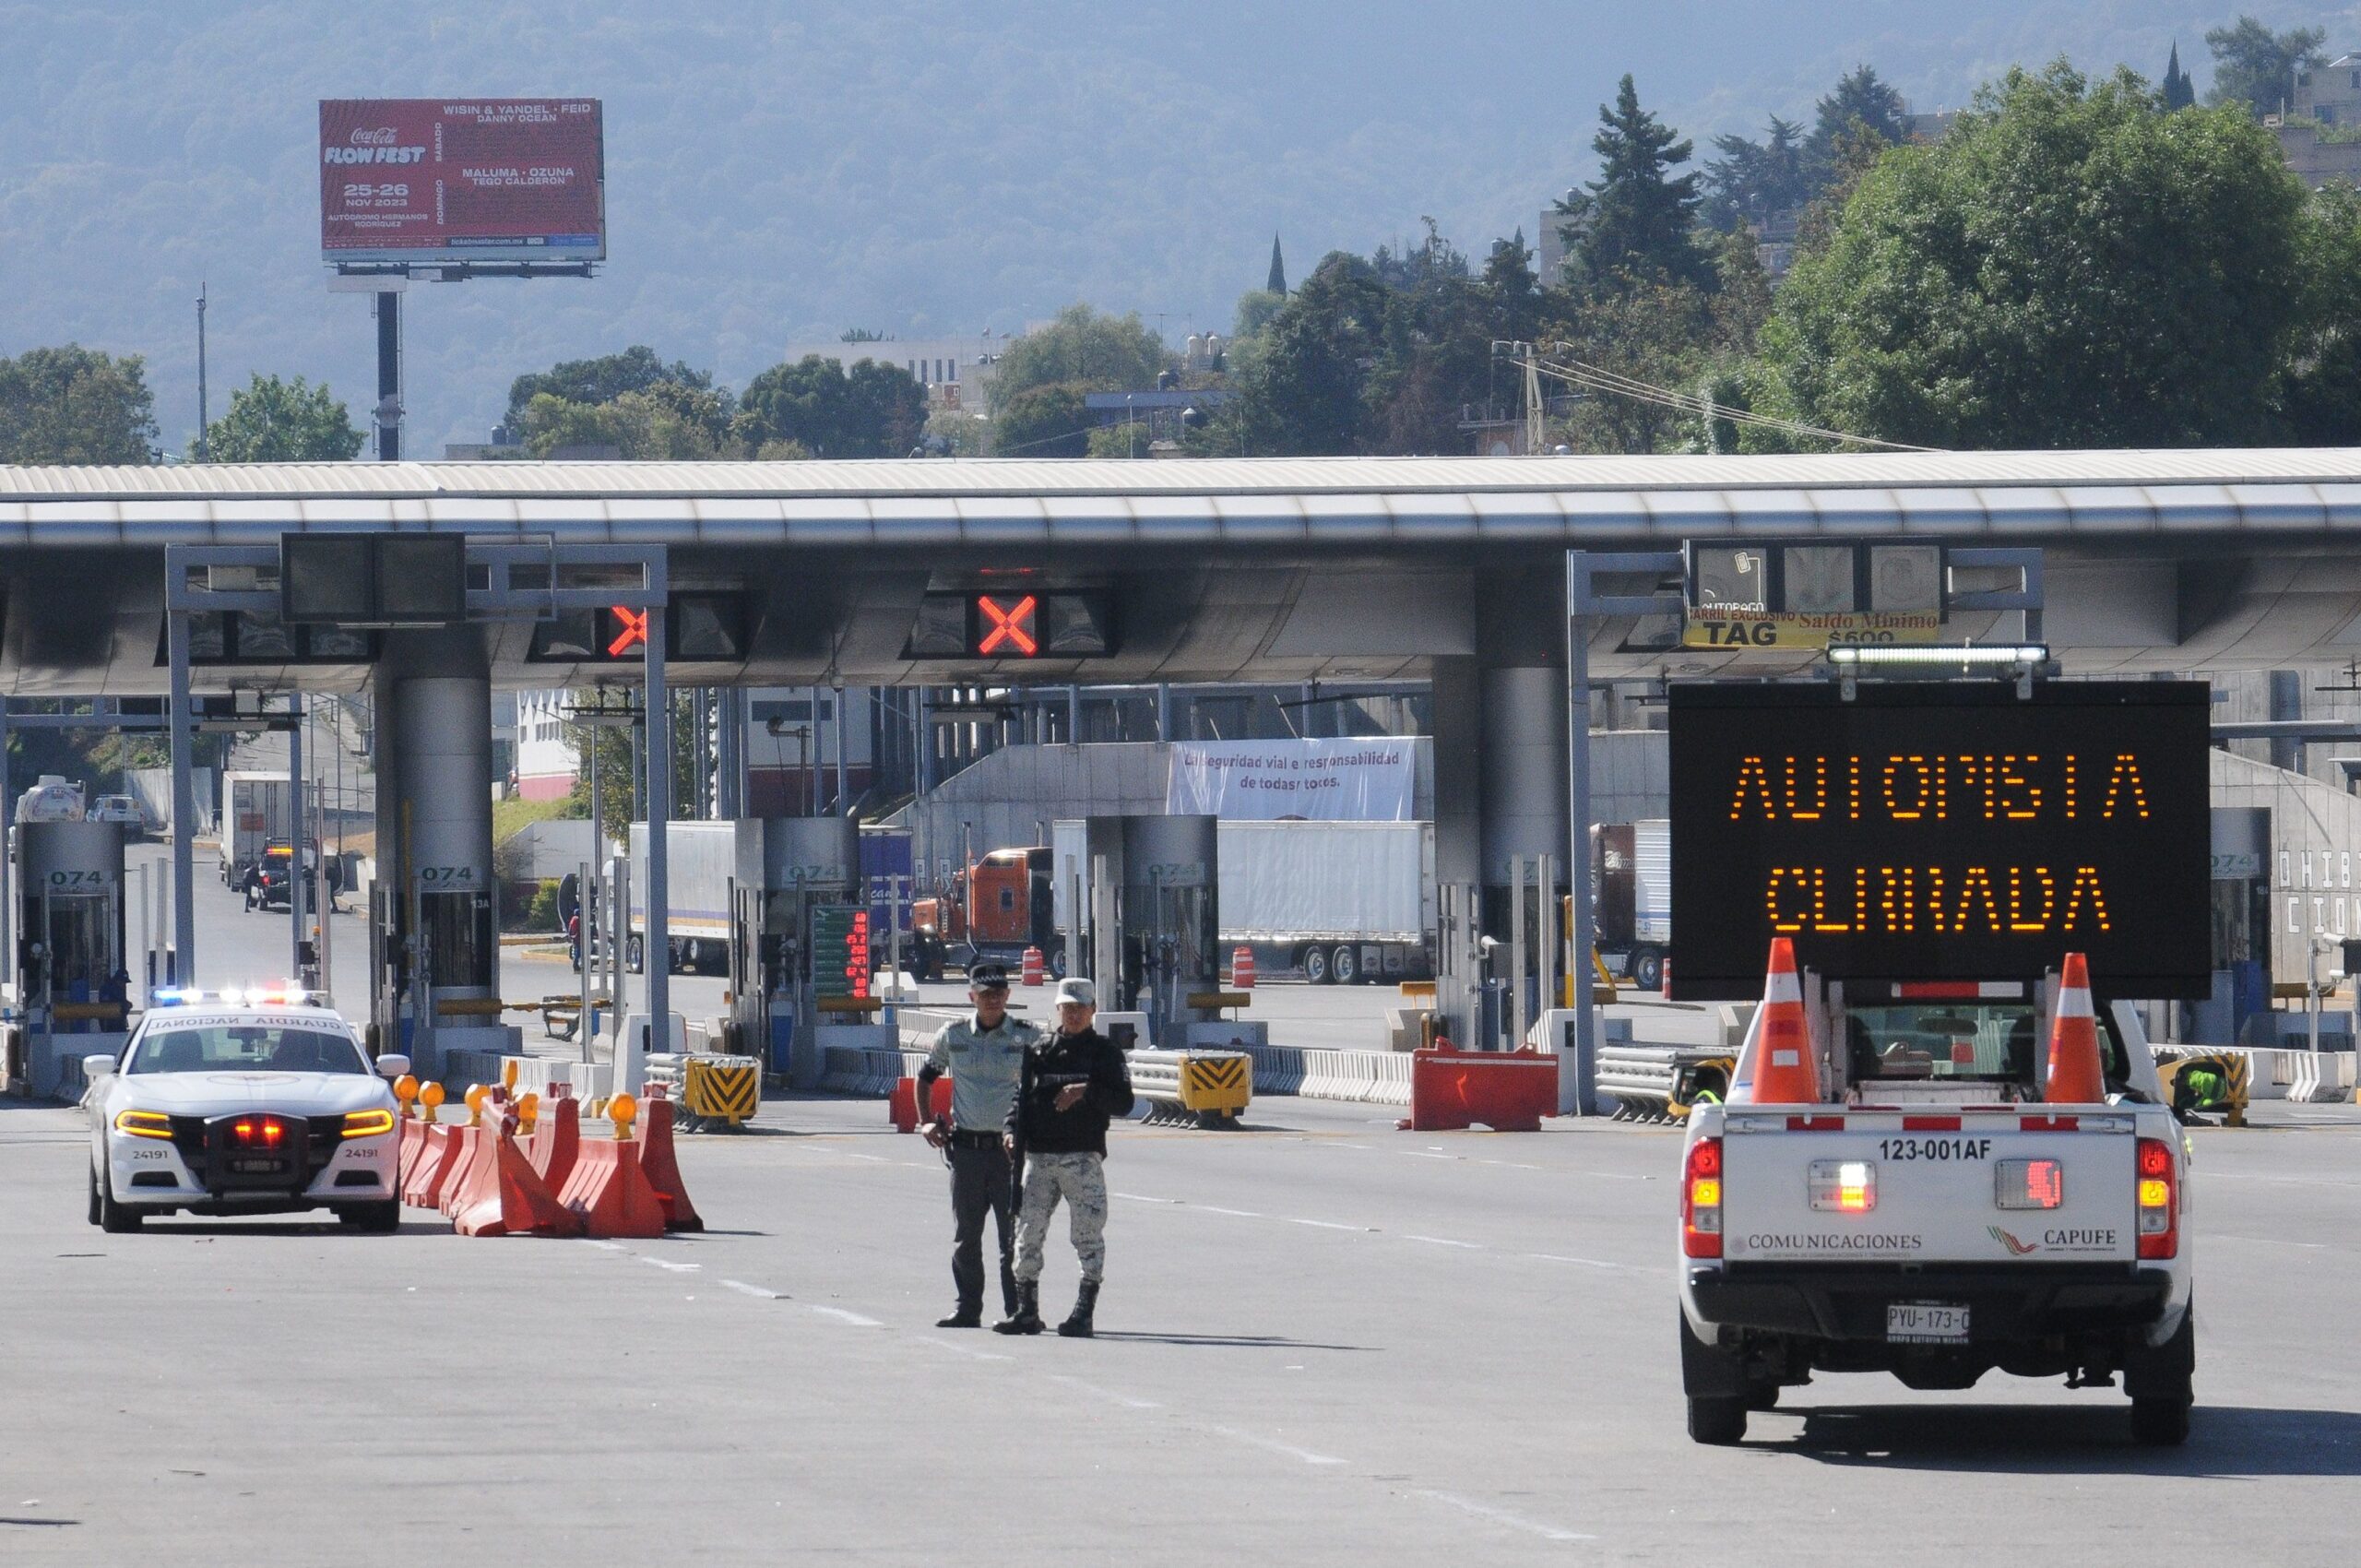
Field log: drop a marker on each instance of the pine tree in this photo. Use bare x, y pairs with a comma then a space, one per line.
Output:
1278, 284
1638, 220
2179, 92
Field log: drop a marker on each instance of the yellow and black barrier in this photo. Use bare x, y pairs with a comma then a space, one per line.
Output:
1203, 1088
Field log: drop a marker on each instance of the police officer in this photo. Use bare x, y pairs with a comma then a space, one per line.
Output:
1073, 1084
981, 1053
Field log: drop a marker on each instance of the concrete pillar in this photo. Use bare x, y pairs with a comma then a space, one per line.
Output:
1523, 766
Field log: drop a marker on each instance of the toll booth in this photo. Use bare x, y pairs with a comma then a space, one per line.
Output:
811, 916
435, 959
74, 978
1137, 899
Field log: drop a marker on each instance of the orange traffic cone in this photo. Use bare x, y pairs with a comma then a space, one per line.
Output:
1779, 1066
2074, 1076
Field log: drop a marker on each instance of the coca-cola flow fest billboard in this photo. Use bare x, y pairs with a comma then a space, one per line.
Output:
426, 180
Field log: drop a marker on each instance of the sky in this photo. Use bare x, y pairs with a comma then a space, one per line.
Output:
778, 173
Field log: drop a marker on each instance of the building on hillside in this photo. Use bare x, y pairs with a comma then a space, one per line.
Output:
955, 371
2320, 132
547, 762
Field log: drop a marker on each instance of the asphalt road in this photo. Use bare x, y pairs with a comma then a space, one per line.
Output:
1324, 1341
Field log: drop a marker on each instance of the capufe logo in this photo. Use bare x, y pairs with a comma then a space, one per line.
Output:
2016, 1248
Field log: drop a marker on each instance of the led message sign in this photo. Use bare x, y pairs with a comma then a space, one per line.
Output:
1941, 831
1011, 624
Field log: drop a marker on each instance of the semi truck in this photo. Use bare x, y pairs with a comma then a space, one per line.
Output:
995, 910
704, 862
1337, 902
888, 870
1631, 880
257, 811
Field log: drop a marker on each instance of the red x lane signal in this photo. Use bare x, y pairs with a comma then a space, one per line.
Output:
630, 629
1006, 627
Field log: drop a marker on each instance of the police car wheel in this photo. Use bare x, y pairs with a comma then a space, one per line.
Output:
113, 1217
377, 1219
1717, 1420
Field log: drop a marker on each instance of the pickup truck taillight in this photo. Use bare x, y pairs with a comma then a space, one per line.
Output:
1700, 1200
2159, 1200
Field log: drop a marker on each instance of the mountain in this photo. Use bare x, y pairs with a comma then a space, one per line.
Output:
780, 171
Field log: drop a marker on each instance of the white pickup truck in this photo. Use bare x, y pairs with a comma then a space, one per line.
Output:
1933, 1219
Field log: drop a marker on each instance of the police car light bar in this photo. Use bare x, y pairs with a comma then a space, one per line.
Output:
286, 994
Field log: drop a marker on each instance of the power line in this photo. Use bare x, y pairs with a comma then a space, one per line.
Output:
1576, 373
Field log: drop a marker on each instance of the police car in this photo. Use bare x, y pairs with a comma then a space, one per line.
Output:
243, 1102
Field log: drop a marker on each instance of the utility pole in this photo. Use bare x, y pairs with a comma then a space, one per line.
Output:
204, 418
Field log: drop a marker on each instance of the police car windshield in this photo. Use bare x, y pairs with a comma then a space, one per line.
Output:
247, 1047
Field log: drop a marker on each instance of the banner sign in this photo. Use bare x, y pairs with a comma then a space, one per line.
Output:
1367, 780
1942, 830
1738, 625
429, 181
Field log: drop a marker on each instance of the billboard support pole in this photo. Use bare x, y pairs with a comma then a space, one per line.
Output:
389, 375
1578, 1090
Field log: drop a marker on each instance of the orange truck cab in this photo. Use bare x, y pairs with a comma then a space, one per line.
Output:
997, 908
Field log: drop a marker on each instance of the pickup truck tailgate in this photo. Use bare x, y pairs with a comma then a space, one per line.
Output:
1985, 1186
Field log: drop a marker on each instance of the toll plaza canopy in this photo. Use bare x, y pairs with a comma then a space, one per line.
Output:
1224, 568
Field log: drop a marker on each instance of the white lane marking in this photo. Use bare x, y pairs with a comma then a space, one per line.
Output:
855, 1319
1503, 1516
962, 1349
605, 1246
1273, 1446
1125, 1400
1586, 1263
1508, 1165
745, 1289
1144, 1198
2267, 1240
1233, 1213
1445, 1242
673, 1267
1332, 1224
1422, 1154
877, 1158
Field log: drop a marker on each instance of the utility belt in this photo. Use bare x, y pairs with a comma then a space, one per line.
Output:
962, 1139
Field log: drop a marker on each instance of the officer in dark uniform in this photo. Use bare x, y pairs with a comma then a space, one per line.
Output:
983, 1053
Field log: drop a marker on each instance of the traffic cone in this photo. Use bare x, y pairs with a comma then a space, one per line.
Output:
2074, 1075
1778, 1066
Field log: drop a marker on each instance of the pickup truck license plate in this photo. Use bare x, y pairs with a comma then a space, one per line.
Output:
1925, 1322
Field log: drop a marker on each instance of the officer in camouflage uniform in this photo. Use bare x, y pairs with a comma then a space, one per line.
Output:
1072, 1084
981, 1052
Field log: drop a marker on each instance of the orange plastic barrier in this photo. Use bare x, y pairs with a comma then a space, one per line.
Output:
662, 1171
553, 1145
471, 1144
1030, 967
1241, 967
1509, 1092
506, 1196
902, 1105
437, 1147
607, 1189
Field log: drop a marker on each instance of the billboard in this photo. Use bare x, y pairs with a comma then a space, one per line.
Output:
1941, 831
436, 182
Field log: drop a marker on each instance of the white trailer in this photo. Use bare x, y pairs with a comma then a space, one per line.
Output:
705, 862
257, 811
1631, 878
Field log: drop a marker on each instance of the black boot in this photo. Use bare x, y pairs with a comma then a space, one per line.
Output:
969, 1315
1086, 1302
1027, 1317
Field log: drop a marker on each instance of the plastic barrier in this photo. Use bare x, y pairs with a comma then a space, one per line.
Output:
1278, 1069
506, 1196
1390, 1078
1507, 1091
662, 1171
902, 1105
1030, 968
1242, 968
556, 1143
607, 1189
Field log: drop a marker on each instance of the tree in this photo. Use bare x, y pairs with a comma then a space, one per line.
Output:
1256, 308
641, 426
2068, 267
873, 410
1657, 332
1636, 221
1086, 349
76, 405
602, 380
2256, 67
1753, 181
2178, 90
1861, 101
2321, 389
1277, 282
1303, 395
1042, 422
272, 420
